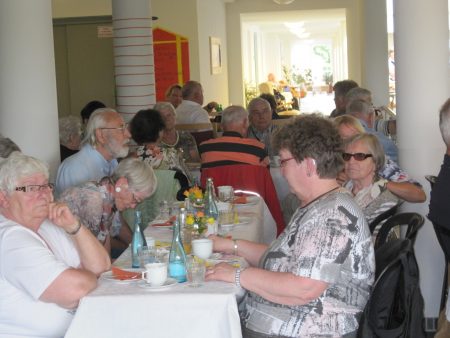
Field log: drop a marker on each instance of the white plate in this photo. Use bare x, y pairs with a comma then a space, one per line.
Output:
243, 220
108, 275
167, 284
251, 200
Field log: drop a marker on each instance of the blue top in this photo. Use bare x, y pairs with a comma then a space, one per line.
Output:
389, 147
86, 165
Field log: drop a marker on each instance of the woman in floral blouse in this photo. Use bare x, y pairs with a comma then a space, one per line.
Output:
97, 204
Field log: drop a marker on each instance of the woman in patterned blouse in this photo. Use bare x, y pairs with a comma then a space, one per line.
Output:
314, 280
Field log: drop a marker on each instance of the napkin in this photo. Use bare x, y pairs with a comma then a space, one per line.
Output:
124, 274
240, 200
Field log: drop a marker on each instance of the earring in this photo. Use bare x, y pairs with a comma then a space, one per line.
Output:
118, 189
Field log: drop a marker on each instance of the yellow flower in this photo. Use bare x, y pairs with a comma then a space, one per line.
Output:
190, 220
210, 220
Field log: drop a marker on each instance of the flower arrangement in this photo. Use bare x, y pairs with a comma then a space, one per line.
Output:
198, 221
195, 195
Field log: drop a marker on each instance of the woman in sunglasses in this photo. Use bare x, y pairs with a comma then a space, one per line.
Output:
364, 157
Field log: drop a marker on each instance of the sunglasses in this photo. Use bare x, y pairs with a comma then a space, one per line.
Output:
356, 156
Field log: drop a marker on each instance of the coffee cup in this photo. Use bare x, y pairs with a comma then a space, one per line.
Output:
202, 248
155, 273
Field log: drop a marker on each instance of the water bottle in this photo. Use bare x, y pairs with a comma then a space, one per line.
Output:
138, 240
177, 256
210, 200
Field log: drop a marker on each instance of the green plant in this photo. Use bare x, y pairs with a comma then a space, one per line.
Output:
328, 77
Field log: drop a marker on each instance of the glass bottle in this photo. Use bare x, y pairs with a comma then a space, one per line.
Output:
210, 200
177, 256
138, 240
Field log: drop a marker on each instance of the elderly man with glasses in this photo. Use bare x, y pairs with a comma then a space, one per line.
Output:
106, 140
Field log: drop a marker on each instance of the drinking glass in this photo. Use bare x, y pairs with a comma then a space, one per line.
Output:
196, 270
146, 254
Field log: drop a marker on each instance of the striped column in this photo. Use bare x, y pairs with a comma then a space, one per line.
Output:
133, 56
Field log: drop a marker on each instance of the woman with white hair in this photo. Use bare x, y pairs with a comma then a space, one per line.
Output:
48, 259
98, 204
69, 136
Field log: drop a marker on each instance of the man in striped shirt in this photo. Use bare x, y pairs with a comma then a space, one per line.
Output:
233, 147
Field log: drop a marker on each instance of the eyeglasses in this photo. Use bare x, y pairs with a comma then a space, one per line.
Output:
357, 156
122, 128
135, 200
283, 161
35, 187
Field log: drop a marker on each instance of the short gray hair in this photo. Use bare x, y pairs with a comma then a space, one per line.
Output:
18, 166
190, 88
444, 122
7, 146
139, 174
233, 114
68, 126
358, 107
258, 101
159, 106
97, 120
374, 146
358, 93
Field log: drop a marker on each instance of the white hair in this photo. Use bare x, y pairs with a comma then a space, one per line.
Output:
139, 174
233, 114
69, 126
97, 120
18, 166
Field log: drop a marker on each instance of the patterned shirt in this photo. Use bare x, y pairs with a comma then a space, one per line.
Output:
327, 240
93, 204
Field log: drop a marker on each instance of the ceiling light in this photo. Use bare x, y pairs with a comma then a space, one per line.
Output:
283, 2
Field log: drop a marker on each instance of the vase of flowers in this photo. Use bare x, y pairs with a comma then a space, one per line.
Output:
194, 198
196, 227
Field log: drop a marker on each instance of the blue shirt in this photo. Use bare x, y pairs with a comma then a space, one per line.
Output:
86, 165
389, 147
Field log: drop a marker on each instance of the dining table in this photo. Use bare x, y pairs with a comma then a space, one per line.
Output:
133, 309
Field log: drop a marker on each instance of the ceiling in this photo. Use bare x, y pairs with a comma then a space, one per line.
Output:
317, 24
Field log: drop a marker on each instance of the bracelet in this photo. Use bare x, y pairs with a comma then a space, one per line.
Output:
235, 247
73, 233
237, 277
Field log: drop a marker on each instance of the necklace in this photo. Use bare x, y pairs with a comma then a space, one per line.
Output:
174, 144
320, 196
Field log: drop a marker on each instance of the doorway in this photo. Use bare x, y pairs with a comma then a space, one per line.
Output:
306, 50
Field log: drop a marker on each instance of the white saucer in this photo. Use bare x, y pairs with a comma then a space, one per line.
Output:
167, 284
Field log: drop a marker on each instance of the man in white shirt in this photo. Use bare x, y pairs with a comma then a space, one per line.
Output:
190, 110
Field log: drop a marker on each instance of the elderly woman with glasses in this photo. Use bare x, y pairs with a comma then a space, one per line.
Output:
98, 204
49, 260
315, 278
364, 157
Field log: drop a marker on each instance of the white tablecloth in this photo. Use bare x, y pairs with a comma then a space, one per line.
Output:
118, 309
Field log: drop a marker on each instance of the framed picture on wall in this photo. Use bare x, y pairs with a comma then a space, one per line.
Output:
216, 55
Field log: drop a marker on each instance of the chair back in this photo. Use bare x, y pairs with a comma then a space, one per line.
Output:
200, 131
412, 220
381, 217
248, 177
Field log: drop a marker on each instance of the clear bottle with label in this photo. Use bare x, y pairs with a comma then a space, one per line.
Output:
177, 255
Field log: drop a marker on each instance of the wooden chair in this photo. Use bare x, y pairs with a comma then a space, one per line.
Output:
200, 131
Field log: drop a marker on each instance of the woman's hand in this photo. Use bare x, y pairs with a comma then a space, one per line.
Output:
60, 215
222, 271
221, 244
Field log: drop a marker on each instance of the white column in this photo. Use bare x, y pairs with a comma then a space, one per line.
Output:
375, 72
28, 106
133, 56
422, 83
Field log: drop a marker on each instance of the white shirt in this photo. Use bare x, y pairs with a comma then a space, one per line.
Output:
191, 112
29, 263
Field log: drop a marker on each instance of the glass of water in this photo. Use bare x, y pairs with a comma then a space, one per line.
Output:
196, 270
